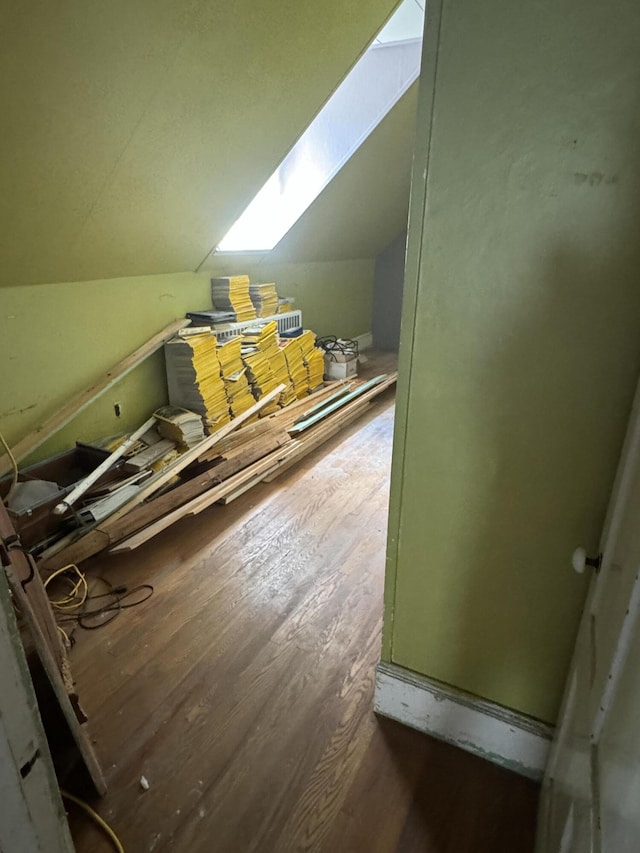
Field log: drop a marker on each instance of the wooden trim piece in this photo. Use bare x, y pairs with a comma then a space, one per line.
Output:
80, 402
302, 425
476, 725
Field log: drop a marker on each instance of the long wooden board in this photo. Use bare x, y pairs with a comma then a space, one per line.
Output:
321, 412
74, 549
283, 417
107, 534
80, 402
268, 467
198, 504
30, 596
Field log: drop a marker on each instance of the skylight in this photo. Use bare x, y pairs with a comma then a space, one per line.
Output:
370, 90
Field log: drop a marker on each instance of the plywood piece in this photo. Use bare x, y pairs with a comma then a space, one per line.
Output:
80, 402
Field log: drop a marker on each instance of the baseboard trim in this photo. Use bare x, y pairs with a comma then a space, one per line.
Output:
365, 341
497, 734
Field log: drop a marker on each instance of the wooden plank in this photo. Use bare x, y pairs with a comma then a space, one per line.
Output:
315, 440
200, 503
285, 416
318, 406
62, 552
30, 596
80, 402
103, 536
320, 414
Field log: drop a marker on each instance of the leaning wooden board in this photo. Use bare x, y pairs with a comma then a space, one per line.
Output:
69, 549
80, 402
256, 473
30, 596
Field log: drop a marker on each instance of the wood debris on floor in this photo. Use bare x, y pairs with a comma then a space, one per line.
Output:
224, 465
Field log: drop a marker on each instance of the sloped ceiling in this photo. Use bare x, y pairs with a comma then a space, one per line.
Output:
367, 204
359, 212
135, 131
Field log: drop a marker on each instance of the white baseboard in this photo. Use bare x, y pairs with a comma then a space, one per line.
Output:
365, 341
504, 737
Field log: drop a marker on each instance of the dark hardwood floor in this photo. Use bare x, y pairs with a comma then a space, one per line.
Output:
242, 690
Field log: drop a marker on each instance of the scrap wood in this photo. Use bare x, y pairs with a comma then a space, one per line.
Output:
80, 402
112, 530
269, 467
143, 458
311, 440
198, 504
283, 417
65, 550
314, 440
321, 413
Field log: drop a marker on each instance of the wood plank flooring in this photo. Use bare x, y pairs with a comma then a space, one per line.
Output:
242, 689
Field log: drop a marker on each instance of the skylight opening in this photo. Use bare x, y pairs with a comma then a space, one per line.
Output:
370, 90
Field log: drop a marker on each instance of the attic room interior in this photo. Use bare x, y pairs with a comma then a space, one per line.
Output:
319, 334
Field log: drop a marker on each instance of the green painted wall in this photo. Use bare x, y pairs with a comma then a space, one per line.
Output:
58, 338
521, 339
134, 132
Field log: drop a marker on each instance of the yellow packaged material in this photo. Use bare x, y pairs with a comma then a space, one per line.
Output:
234, 375
264, 298
194, 378
231, 293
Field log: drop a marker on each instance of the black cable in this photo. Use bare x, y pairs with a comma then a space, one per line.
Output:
118, 601
332, 345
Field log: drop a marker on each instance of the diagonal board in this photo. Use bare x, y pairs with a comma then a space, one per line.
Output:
70, 548
80, 402
29, 594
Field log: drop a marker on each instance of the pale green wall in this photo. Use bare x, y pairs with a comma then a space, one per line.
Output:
521, 339
58, 338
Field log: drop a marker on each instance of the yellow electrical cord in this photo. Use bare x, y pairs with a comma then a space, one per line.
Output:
13, 463
95, 817
72, 600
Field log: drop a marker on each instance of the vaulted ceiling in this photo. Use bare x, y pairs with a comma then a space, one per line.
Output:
135, 131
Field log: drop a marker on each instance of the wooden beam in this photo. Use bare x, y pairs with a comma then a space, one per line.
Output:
80, 402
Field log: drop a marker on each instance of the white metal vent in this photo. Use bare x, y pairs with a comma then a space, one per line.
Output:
286, 322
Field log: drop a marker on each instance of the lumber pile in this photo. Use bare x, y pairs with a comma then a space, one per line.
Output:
232, 459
